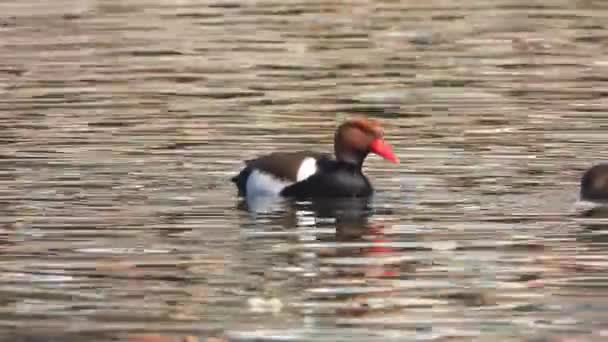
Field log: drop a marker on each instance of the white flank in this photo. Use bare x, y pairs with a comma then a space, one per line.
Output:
262, 184
307, 168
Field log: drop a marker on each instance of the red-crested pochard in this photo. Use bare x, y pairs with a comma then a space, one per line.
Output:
309, 174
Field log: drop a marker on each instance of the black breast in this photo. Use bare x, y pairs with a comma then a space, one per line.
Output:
334, 179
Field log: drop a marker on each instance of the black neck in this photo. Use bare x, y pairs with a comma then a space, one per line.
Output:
355, 158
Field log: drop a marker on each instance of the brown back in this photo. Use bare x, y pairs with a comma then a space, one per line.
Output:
283, 165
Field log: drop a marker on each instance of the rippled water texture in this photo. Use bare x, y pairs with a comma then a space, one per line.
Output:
122, 122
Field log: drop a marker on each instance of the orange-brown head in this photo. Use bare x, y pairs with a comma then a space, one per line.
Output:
356, 138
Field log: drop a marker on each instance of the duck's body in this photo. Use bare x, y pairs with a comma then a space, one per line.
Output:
317, 176
307, 174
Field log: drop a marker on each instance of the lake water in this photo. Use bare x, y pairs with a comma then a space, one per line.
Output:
123, 121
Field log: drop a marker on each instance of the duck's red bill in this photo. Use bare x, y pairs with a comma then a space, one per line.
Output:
384, 150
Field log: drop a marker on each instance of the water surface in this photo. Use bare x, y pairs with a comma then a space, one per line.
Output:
122, 123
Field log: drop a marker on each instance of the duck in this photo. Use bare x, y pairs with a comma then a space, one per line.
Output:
594, 184
308, 175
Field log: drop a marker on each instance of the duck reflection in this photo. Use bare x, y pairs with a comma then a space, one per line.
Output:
343, 270
594, 224
350, 216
